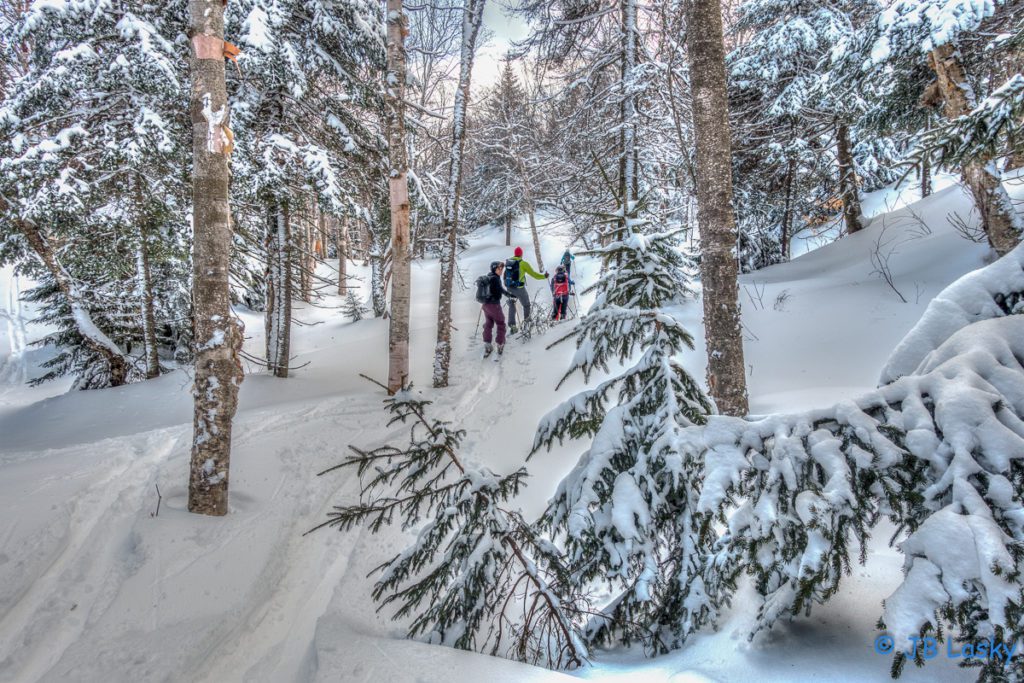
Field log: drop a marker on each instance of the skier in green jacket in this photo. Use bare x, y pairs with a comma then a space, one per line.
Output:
516, 270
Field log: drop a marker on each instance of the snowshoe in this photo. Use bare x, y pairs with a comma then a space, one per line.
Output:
487, 350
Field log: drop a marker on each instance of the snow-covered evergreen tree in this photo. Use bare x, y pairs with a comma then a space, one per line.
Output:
301, 128
93, 181
953, 40
626, 512
795, 114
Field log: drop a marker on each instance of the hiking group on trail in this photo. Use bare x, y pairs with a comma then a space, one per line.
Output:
507, 279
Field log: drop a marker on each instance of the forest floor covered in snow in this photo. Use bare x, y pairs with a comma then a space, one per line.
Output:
95, 585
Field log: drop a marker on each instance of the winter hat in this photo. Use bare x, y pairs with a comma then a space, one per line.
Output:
519, 252
560, 269
495, 265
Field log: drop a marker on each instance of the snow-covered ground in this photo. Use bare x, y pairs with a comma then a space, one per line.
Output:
95, 585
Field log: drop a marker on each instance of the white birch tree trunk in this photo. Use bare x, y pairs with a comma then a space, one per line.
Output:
472, 16
218, 337
279, 288
398, 324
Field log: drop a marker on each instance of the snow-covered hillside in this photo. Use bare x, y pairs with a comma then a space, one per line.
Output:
96, 584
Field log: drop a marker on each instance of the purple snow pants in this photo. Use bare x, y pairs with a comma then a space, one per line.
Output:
495, 316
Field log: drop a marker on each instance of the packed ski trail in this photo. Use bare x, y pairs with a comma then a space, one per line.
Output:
94, 585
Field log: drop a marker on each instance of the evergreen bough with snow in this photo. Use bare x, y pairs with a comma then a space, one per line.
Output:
627, 512
938, 450
477, 576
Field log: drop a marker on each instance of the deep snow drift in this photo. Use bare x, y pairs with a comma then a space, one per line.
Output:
94, 585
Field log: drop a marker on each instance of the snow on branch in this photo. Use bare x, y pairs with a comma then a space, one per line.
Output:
476, 576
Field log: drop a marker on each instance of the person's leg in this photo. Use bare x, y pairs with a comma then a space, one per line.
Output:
554, 308
524, 299
499, 319
512, 309
488, 322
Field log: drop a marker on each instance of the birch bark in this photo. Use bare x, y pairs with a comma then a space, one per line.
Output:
472, 17
398, 324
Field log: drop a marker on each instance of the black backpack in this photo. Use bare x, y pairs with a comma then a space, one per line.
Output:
512, 273
483, 288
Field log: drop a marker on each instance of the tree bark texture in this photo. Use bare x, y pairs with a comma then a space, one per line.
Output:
628, 179
726, 371
472, 17
279, 287
787, 210
998, 217
398, 325
508, 231
848, 191
342, 248
218, 337
145, 285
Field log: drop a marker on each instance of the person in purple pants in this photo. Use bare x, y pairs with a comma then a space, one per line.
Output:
493, 313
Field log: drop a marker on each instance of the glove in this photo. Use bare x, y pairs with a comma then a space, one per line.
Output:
546, 275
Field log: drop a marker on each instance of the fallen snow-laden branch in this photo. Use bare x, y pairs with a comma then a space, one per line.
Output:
989, 292
939, 451
477, 576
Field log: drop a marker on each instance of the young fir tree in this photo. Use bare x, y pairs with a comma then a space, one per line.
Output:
354, 309
93, 184
626, 512
477, 576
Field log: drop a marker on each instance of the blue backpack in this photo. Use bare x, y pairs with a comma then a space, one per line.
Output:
512, 273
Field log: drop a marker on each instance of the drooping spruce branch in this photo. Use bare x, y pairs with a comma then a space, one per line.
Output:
477, 576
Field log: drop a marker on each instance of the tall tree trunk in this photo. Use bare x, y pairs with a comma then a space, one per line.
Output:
508, 230
726, 372
378, 295
472, 16
848, 181
218, 337
787, 210
999, 219
145, 293
398, 325
342, 248
94, 338
926, 176
145, 285
533, 231
279, 287
628, 180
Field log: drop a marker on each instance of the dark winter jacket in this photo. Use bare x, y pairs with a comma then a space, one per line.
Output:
497, 290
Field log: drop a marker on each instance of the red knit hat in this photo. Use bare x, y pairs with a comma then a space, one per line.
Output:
519, 252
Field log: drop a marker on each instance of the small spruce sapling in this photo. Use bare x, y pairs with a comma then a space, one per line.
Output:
353, 308
477, 576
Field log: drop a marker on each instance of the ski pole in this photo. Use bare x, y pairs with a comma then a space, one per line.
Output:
478, 316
